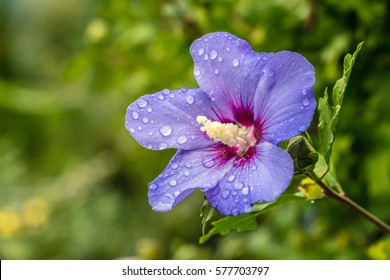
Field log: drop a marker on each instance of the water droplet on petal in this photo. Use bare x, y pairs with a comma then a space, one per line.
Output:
213, 54
174, 166
172, 182
166, 130
208, 162
197, 73
304, 92
206, 56
235, 211
167, 199
216, 71
302, 128
160, 97
142, 103
271, 73
231, 178
188, 164
306, 102
162, 146
139, 128
135, 115
166, 91
189, 99
238, 185
227, 49
132, 130
247, 208
145, 120
220, 59
245, 191
181, 140
200, 51
149, 110
235, 62
186, 173
153, 187
234, 193
225, 194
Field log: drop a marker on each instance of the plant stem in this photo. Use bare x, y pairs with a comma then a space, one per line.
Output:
346, 200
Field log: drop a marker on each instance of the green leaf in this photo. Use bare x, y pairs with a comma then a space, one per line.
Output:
248, 221
329, 110
225, 225
207, 212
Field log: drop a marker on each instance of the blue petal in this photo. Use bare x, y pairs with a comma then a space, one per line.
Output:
186, 171
263, 180
167, 119
229, 70
284, 100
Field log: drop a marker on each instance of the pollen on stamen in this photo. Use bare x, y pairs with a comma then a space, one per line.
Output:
228, 133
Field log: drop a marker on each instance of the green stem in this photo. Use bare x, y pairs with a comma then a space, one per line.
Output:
347, 201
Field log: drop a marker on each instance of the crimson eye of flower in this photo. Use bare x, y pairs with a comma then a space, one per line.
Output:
227, 130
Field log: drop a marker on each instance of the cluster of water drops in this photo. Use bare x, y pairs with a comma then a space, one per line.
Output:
145, 122
216, 57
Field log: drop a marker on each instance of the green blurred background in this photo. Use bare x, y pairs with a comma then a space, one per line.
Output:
73, 182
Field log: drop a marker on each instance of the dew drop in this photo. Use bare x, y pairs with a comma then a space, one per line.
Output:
166, 91
162, 146
149, 110
245, 191
197, 73
132, 130
167, 199
227, 49
135, 115
200, 51
235, 211
235, 62
153, 187
304, 92
216, 71
142, 103
213, 54
238, 185
160, 97
174, 166
145, 120
247, 208
186, 173
172, 182
183, 90
208, 163
181, 140
225, 194
139, 128
220, 59
306, 102
206, 56
234, 193
166, 130
189, 99
188, 164
231, 178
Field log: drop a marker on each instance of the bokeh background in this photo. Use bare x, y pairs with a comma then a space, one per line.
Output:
73, 182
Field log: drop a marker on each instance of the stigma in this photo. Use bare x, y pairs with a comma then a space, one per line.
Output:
232, 135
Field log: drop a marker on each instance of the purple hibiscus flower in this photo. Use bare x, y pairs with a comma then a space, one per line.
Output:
227, 131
